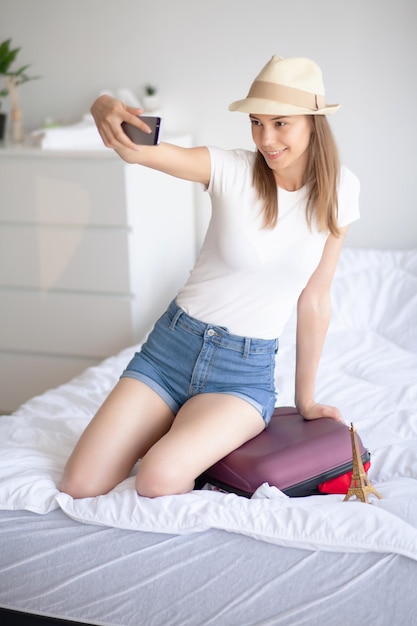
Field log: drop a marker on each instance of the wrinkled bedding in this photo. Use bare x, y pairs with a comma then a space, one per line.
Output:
368, 369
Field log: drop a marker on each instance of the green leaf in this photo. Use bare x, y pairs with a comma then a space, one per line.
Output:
7, 56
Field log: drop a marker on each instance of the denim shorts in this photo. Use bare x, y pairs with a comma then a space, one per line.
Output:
183, 357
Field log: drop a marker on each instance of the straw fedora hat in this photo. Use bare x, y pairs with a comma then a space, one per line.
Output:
291, 86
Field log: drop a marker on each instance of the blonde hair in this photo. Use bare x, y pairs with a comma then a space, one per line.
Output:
321, 175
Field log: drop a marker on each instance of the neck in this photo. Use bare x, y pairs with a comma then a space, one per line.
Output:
289, 183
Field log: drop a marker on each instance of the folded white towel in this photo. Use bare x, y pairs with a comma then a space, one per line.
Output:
81, 136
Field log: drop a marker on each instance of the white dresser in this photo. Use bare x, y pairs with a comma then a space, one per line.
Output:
91, 252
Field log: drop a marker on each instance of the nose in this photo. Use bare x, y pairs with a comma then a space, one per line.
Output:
268, 135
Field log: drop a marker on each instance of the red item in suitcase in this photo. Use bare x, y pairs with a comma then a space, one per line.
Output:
300, 457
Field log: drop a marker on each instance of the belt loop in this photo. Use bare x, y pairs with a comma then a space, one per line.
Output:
175, 318
246, 348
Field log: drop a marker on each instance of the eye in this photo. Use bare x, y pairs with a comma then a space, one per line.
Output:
255, 122
279, 123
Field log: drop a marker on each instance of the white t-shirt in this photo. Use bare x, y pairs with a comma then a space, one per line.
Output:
248, 278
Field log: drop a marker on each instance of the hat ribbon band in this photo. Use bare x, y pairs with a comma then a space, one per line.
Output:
288, 95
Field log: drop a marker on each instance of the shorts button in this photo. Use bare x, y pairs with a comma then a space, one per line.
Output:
211, 332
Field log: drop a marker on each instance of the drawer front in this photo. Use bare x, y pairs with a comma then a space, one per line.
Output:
90, 326
63, 191
65, 258
25, 376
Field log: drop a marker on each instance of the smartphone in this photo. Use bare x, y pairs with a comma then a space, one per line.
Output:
139, 136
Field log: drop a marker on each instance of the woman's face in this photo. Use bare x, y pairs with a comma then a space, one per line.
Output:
283, 142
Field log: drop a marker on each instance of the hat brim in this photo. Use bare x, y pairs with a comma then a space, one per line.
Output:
262, 106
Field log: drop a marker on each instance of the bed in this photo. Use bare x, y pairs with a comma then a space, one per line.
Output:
213, 558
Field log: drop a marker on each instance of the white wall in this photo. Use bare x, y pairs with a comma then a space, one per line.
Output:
203, 55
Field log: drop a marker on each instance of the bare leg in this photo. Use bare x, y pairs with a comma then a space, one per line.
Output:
128, 423
206, 428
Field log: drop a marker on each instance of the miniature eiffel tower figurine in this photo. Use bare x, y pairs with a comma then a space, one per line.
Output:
360, 485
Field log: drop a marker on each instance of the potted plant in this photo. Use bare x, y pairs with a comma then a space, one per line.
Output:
13, 79
151, 98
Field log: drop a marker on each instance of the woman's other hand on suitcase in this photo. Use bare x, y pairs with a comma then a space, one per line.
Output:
316, 411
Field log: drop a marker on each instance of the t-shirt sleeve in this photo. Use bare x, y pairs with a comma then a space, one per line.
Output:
228, 170
348, 198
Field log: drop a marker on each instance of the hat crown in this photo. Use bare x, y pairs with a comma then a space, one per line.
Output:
297, 72
286, 87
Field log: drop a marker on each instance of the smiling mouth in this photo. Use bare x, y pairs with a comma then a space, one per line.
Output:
273, 154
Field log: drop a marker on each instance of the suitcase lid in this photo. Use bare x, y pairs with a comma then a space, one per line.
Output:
290, 451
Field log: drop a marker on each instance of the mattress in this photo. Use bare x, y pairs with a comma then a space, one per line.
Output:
213, 558
52, 565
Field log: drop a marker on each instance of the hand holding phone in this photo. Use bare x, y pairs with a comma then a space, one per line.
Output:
139, 136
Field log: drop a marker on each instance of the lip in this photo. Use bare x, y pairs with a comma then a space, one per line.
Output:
273, 155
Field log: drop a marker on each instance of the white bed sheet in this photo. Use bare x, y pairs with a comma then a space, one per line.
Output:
369, 369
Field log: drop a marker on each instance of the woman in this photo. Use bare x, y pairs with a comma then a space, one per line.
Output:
203, 383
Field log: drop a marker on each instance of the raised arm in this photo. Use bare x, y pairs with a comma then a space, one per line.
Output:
188, 163
313, 318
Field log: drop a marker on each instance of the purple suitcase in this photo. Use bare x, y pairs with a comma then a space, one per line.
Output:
292, 454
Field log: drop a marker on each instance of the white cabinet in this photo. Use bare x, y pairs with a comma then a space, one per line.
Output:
91, 252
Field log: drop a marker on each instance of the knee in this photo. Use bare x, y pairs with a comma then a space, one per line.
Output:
72, 488
155, 481
77, 486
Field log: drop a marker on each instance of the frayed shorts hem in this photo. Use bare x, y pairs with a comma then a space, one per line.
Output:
173, 405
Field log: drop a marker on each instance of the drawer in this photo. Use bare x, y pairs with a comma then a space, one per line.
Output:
53, 323
63, 190
25, 376
74, 258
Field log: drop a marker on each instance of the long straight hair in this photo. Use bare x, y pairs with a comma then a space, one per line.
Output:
321, 175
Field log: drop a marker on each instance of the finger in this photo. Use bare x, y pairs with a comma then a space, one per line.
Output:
318, 411
113, 135
333, 412
135, 119
106, 136
134, 110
